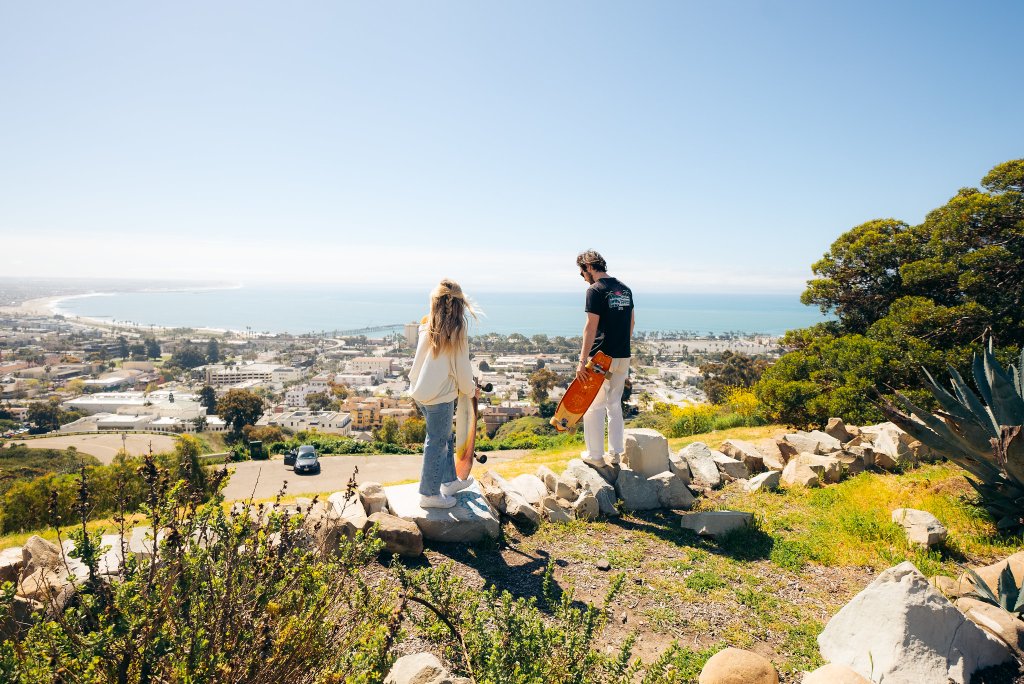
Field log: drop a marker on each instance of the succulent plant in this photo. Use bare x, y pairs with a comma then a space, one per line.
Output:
981, 434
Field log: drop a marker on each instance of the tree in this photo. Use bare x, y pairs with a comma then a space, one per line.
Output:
239, 408
208, 398
318, 401
340, 392
212, 351
388, 431
541, 382
484, 366
413, 431
152, 348
45, 415
138, 351
187, 357
731, 370
268, 434
122, 347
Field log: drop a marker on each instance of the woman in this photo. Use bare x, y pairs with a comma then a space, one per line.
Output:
440, 372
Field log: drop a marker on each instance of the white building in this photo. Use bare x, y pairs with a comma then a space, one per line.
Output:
412, 333
113, 402
358, 379
331, 422
219, 374
369, 364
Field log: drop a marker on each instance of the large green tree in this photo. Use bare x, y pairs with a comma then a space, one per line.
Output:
239, 408
903, 297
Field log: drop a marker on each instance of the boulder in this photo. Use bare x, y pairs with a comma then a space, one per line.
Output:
11, 563
765, 481
142, 544
636, 492
112, 561
889, 443
348, 512
837, 429
18, 619
590, 481
799, 474
45, 576
864, 452
900, 630
730, 468
745, 452
996, 621
511, 501
797, 443
922, 528
373, 498
672, 491
737, 666
851, 464
586, 507
990, 573
565, 490
773, 457
827, 444
548, 476
531, 487
470, 520
677, 466
828, 468
493, 492
834, 673
702, 465
401, 537
418, 668
556, 510
951, 588
715, 523
646, 451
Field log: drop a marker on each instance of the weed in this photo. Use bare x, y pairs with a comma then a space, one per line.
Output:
703, 581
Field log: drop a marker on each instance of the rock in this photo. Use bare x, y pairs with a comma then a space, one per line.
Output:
996, 621
900, 630
350, 512
837, 429
746, 453
827, 444
765, 481
797, 443
18, 619
799, 474
418, 668
470, 520
886, 450
603, 565
889, 443
672, 491
11, 563
142, 544
45, 576
531, 487
565, 490
590, 481
951, 588
864, 452
773, 457
702, 465
729, 467
548, 476
586, 507
922, 527
112, 561
636, 492
990, 573
512, 502
373, 498
852, 464
556, 510
609, 473
715, 523
400, 536
736, 666
828, 468
677, 466
494, 494
834, 673
646, 451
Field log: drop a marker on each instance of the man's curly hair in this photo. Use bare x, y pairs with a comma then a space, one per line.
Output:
591, 258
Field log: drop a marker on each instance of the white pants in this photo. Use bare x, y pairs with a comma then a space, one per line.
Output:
607, 403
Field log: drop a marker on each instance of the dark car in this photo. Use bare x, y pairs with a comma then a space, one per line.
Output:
307, 461
289, 457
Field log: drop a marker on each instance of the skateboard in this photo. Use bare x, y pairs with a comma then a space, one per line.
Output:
465, 434
580, 395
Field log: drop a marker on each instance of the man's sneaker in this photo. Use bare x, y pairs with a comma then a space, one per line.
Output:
449, 488
597, 462
612, 459
439, 501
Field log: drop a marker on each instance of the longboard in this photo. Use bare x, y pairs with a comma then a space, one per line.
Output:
580, 395
465, 435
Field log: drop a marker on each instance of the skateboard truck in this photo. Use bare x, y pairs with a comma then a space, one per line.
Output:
486, 387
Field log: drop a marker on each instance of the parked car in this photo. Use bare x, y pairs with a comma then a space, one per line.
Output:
289, 456
307, 461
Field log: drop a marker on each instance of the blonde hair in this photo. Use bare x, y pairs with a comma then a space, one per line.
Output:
448, 321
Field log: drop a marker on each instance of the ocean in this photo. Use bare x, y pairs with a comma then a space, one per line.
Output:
308, 309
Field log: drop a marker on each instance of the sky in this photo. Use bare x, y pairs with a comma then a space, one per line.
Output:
700, 146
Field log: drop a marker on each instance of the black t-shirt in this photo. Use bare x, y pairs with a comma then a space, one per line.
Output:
613, 302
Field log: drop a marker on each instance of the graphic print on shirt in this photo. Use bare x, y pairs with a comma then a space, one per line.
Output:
620, 299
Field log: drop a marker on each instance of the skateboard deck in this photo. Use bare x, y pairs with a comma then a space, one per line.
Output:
465, 435
580, 395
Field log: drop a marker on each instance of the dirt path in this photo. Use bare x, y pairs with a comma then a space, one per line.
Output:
106, 445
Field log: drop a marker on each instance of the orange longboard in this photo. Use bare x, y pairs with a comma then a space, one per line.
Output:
465, 436
580, 395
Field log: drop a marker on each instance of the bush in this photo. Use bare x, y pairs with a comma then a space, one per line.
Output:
336, 444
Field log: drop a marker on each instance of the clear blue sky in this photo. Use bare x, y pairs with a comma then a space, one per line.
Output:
701, 146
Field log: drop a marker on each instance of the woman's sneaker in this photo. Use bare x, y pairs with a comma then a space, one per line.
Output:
597, 462
437, 501
449, 488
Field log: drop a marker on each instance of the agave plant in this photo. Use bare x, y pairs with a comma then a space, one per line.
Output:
978, 433
1008, 594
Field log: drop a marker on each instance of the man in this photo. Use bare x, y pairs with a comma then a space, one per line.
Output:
609, 328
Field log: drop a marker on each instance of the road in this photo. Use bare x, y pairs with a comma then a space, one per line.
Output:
263, 479
104, 446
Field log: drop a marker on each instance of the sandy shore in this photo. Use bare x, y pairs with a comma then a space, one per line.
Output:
42, 306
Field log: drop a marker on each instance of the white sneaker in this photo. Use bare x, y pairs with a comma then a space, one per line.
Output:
439, 501
597, 462
612, 459
449, 488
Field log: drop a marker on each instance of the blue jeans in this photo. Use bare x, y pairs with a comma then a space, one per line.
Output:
438, 448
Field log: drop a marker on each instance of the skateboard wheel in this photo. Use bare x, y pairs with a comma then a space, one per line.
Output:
481, 458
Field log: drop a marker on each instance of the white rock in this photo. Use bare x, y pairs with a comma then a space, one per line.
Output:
745, 452
470, 520
548, 476
922, 527
833, 673
142, 544
677, 466
828, 468
730, 468
799, 474
531, 487
512, 502
764, 481
372, 496
702, 466
797, 443
418, 668
715, 523
591, 481
646, 451
556, 510
350, 512
837, 428
672, 491
636, 492
586, 507
900, 630
827, 444
11, 562
400, 536
112, 560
